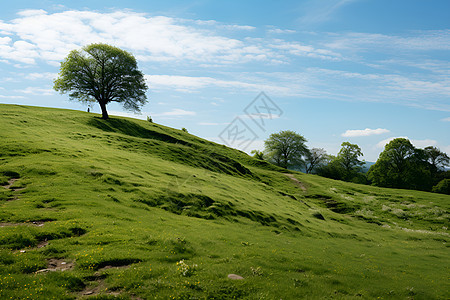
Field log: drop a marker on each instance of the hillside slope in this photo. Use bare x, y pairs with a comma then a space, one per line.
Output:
118, 204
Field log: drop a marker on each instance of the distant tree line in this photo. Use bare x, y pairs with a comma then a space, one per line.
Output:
400, 165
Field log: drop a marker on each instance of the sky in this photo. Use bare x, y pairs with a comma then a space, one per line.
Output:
234, 72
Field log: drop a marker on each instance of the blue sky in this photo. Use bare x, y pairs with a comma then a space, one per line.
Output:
363, 71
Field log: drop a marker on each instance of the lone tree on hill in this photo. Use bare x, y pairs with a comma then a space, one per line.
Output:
102, 73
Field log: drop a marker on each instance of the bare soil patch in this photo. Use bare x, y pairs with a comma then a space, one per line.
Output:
42, 244
55, 264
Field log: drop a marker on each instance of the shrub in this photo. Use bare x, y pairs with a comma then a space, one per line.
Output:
258, 154
184, 129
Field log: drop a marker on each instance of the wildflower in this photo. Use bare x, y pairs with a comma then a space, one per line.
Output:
184, 269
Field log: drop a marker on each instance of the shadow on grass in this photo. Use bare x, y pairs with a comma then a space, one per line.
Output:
132, 129
179, 150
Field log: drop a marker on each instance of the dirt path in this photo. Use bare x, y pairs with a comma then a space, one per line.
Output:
296, 181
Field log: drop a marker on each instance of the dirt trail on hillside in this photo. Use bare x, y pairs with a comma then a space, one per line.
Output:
296, 181
10, 183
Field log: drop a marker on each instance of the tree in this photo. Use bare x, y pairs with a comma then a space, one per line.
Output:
436, 158
332, 169
102, 73
286, 148
314, 159
348, 158
401, 165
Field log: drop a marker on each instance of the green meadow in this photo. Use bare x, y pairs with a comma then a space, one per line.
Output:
128, 209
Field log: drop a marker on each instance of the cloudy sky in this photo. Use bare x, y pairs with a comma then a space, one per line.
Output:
363, 71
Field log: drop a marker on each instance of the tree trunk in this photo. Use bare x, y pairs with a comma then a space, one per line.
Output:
104, 112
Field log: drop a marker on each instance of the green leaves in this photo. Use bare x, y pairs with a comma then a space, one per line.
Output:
401, 165
349, 155
286, 148
102, 73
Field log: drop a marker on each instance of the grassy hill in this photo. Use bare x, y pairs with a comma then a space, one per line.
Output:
107, 209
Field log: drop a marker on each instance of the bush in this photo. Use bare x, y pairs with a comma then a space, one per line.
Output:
443, 187
184, 129
258, 154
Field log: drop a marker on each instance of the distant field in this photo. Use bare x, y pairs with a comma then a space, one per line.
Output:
108, 209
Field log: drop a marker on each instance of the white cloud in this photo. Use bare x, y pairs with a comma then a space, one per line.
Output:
176, 112
424, 143
181, 83
11, 97
324, 83
32, 12
221, 25
38, 35
364, 132
44, 75
280, 31
446, 119
37, 91
190, 84
238, 27
432, 65
417, 40
417, 90
5, 40
299, 49
50, 36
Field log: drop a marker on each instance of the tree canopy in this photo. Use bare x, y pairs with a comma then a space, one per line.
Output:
437, 159
102, 73
401, 165
286, 148
348, 157
345, 165
315, 158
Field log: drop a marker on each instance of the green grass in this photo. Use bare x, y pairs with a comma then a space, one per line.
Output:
122, 201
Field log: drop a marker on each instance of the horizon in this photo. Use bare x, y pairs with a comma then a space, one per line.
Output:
362, 71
